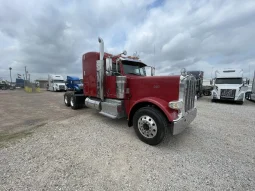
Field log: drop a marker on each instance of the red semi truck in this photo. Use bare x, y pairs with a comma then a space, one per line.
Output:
118, 87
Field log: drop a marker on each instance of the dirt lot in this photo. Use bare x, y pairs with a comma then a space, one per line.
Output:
22, 112
47, 146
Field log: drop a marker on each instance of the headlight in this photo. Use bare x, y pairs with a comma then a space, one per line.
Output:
175, 104
240, 97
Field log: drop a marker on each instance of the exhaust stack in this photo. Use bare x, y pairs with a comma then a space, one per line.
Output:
101, 48
100, 70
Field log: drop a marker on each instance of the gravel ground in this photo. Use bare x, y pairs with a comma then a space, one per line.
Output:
90, 152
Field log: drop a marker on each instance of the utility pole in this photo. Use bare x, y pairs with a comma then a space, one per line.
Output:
29, 77
10, 73
26, 72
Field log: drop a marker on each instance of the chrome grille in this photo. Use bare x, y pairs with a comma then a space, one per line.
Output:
62, 87
190, 92
228, 93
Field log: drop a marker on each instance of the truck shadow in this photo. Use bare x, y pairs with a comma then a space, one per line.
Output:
227, 102
121, 125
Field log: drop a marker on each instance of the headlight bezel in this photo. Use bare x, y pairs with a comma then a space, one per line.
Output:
176, 105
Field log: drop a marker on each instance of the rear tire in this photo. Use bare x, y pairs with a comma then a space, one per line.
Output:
67, 100
240, 102
73, 102
150, 125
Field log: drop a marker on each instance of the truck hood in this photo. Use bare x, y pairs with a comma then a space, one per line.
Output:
163, 87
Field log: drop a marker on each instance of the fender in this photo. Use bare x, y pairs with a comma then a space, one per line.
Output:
160, 103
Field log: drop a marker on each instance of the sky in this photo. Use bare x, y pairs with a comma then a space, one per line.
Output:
50, 37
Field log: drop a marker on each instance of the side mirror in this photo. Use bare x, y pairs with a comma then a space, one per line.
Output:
152, 71
248, 82
108, 66
211, 82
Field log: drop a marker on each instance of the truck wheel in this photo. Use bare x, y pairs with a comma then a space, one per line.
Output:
67, 100
150, 125
73, 102
240, 102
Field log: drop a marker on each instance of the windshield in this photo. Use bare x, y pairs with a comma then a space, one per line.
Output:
134, 68
77, 82
58, 81
229, 81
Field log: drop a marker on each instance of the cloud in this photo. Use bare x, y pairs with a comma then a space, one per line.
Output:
51, 36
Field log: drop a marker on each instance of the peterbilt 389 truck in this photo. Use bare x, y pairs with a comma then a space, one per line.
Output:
118, 87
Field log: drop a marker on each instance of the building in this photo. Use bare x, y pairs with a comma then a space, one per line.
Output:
42, 83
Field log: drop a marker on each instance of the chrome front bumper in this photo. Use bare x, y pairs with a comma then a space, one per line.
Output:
181, 123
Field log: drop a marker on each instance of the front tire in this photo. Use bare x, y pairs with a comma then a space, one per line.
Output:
150, 125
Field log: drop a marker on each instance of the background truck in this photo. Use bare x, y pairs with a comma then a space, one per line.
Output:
229, 85
119, 87
199, 75
207, 87
74, 89
250, 94
74, 83
4, 85
56, 83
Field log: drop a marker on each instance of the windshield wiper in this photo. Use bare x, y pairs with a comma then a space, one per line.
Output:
134, 73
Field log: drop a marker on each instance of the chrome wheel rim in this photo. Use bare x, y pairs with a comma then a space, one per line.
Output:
147, 126
65, 99
71, 101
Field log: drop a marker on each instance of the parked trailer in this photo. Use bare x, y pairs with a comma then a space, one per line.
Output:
229, 85
20, 83
117, 86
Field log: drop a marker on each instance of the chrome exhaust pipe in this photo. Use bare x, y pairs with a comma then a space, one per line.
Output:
100, 70
101, 48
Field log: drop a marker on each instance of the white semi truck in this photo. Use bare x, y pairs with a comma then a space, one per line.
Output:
229, 85
56, 83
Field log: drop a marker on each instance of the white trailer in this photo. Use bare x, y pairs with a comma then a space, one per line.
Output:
56, 83
229, 84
